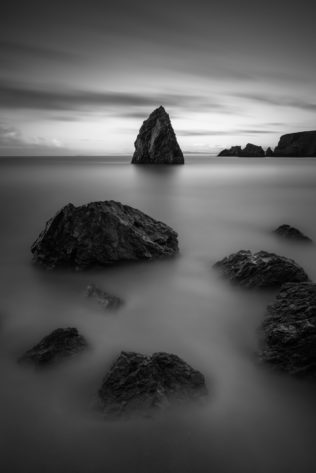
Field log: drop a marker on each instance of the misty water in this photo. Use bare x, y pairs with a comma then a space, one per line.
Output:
254, 420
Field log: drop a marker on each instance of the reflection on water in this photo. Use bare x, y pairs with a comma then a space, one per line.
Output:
254, 420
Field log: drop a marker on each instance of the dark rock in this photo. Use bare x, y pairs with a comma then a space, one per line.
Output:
289, 330
102, 233
233, 151
59, 344
261, 269
291, 233
156, 142
107, 301
250, 151
302, 144
269, 153
138, 383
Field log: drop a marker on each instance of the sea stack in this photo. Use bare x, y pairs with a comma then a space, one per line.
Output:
156, 142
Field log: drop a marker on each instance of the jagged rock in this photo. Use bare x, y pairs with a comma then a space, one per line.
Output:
156, 142
289, 330
250, 151
138, 384
269, 152
302, 144
291, 233
107, 301
59, 344
261, 269
233, 151
102, 233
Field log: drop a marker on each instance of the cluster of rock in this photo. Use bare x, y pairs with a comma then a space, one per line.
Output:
301, 144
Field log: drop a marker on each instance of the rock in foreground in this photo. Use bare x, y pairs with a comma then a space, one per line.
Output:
250, 151
107, 301
59, 344
101, 233
261, 269
291, 233
302, 144
156, 142
289, 330
137, 383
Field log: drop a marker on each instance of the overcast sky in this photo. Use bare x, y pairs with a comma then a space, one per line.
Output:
79, 77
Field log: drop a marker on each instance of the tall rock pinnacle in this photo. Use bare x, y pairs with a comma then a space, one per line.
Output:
156, 142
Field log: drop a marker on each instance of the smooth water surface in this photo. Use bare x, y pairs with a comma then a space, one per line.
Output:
254, 420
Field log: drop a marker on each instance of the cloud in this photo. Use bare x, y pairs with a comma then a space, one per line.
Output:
15, 51
279, 101
237, 132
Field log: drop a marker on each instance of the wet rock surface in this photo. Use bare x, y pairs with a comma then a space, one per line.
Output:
156, 142
260, 269
102, 233
289, 330
291, 233
107, 301
140, 384
61, 343
301, 144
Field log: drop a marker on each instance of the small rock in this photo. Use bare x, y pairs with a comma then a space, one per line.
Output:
289, 330
106, 300
261, 269
102, 233
291, 233
269, 153
250, 151
138, 384
59, 344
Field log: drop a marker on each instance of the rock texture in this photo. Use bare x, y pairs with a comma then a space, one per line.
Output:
261, 269
302, 144
250, 151
59, 344
291, 233
107, 301
156, 142
289, 330
137, 383
102, 233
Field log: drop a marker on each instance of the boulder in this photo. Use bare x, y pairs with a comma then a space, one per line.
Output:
139, 384
261, 269
302, 144
101, 233
61, 343
289, 330
156, 142
269, 153
291, 233
107, 301
250, 151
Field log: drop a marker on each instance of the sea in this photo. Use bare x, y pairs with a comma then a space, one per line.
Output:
254, 420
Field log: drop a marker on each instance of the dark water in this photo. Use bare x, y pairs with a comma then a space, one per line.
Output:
254, 420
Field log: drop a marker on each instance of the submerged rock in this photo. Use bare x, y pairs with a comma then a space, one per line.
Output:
261, 269
138, 383
59, 344
156, 142
302, 144
107, 301
289, 330
101, 233
250, 151
291, 233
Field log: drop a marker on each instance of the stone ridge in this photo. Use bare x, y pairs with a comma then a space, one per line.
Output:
156, 142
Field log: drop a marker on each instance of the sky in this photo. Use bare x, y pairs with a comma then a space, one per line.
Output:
80, 77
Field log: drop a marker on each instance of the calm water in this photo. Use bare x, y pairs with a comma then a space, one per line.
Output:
254, 420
